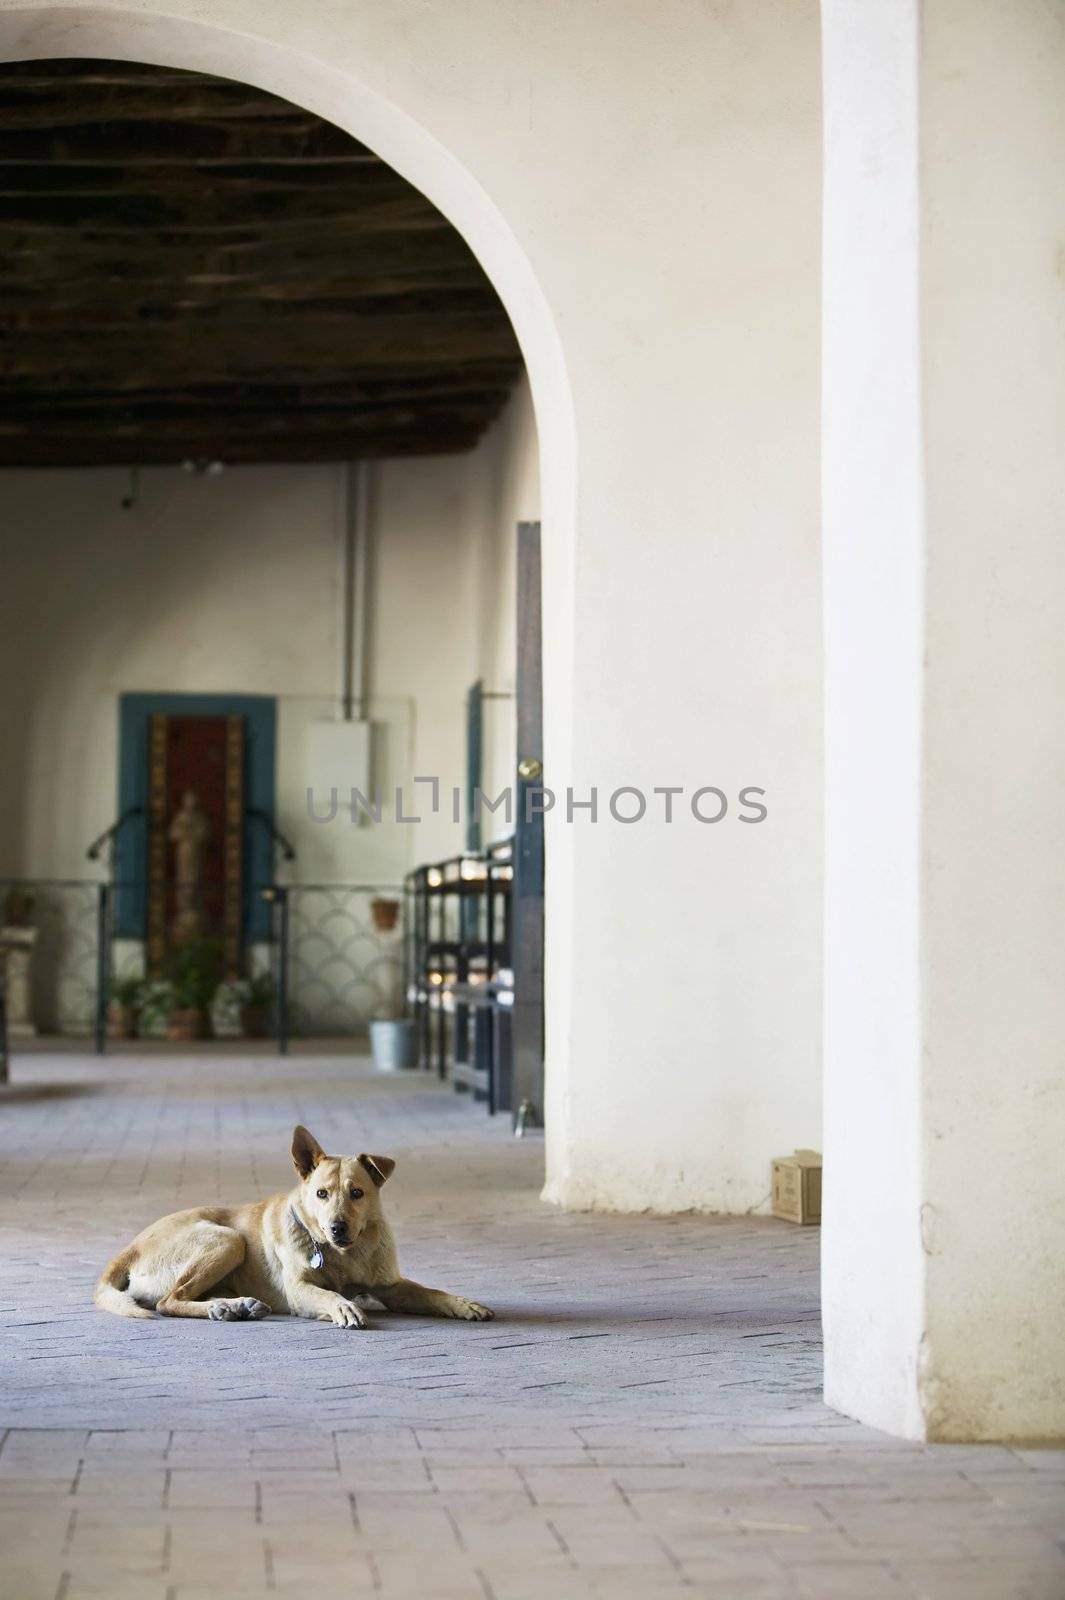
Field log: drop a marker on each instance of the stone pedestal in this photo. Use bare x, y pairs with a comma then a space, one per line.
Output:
18, 946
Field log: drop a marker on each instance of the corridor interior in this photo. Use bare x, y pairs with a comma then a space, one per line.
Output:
643, 1417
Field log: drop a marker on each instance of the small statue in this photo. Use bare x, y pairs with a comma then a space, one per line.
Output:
189, 833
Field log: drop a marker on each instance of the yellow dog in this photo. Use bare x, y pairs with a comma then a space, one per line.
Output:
311, 1252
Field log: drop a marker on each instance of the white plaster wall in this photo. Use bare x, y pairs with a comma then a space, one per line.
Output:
945, 588
642, 184
205, 585
229, 583
692, 1055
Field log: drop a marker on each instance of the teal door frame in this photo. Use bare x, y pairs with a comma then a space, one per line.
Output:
135, 712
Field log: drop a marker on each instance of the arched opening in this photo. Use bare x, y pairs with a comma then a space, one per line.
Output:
332, 973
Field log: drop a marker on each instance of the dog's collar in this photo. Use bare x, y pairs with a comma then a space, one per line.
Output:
317, 1259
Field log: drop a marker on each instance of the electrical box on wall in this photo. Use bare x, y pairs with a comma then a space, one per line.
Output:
338, 758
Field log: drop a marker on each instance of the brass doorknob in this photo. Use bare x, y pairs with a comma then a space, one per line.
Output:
529, 767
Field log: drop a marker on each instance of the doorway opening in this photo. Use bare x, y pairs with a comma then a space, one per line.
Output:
245, 656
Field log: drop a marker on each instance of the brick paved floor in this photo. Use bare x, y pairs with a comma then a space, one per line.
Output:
642, 1420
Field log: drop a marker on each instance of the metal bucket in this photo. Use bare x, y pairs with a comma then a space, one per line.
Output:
394, 1046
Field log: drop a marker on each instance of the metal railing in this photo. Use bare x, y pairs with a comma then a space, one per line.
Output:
333, 969
65, 965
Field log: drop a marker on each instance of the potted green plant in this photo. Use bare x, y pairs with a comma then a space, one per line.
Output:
257, 1006
125, 995
194, 970
157, 1003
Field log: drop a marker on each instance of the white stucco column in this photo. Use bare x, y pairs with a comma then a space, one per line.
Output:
944, 504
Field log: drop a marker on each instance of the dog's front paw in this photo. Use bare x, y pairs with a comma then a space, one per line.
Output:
244, 1309
254, 1310
468, 1310
347, 1315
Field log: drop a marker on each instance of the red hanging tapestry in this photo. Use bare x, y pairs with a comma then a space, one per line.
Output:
195, 834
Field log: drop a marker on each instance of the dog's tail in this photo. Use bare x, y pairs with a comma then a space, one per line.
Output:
112, 1291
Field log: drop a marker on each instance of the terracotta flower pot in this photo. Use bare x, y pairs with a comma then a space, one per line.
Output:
385, 914
185, 1024
255, 1022
121, 1021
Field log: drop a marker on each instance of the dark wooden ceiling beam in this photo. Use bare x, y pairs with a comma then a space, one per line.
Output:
225, 427
201, 209
223, 289
294, 444
51, 94
191, 266
332, 347
28, 260
101, 135
186, 179
196, 307
423, 393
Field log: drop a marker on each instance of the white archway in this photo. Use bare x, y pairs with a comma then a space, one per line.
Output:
311, 80
674, 369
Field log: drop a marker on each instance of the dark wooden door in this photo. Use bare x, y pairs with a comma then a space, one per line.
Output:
527, 1091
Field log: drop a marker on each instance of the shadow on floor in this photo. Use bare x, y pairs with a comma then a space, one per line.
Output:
35, 1093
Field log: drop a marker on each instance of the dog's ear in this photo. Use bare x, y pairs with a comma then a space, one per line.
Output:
306, 1151
380, 1168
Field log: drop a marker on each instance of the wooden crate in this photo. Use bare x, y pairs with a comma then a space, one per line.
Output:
797, 1187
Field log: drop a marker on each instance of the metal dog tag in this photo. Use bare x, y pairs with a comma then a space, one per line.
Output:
317, 1260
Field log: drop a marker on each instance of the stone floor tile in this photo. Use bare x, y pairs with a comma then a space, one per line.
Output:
500, 1479
238, 1586
572, 1486
140, 1442
194, 1487
399, 1529
280, 1506
642, 1419
630, 1547
321, 1571
538, 1583
1049, 1458
407, 1476
849, 1580
17, 1487
103, 1584
779, 1586
976, 1580
34, 1575
146, 1485
612, 1583
398, 1444
449, 1572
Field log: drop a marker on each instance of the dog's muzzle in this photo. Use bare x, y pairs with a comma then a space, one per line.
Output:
339, 1231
